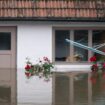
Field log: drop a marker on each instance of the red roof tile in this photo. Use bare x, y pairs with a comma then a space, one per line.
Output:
52, 9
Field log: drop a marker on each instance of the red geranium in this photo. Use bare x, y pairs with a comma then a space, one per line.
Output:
28, 67
103, 65
27, 74
103, 50
45, 59
94, 67
93, 80
93, 59
103, 75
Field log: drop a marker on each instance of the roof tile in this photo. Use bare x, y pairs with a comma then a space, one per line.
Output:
56, 9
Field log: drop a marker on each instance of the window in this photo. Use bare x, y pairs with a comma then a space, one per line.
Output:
80, 54
65, 52
98, 39
62, 47
5, 41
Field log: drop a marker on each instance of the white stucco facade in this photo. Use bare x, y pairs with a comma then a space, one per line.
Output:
33, 41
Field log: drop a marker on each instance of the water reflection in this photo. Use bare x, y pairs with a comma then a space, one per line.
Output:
8, 87
65, 88
79, 88
5, 94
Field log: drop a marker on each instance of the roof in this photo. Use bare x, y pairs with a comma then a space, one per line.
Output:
65, 10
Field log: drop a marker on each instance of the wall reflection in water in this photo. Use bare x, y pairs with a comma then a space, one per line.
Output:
8, 87
70, 88
78, 88
5, 94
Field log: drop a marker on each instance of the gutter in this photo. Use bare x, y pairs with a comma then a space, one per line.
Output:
52, 19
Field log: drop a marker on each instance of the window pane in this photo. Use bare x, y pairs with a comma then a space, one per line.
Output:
80, 54
98, 38
62, 48
5, 41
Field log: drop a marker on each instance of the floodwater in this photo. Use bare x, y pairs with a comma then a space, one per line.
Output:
64, 88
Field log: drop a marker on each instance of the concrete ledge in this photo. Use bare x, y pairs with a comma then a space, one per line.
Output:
66, 68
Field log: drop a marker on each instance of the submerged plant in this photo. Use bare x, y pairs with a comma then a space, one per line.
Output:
97, 63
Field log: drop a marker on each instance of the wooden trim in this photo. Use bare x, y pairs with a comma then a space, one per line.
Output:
53, 44
89, 43
79, 28
71, 46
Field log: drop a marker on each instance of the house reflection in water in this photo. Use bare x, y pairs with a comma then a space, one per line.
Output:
78, 88
5, 95
8, 87
68, 88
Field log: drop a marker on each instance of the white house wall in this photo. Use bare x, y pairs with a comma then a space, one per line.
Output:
33, 41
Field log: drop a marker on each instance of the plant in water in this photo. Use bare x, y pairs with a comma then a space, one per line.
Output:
97, 63
42, 68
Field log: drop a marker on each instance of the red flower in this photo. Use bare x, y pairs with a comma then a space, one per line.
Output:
103, 65
45, 59
28, 67
93, 59
93, 80
103, 75
103, 50
27, 74
94, 67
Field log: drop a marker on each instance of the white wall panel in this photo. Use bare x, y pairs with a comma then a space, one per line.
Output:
34, 41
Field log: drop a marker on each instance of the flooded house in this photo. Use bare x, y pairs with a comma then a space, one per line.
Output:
38, 28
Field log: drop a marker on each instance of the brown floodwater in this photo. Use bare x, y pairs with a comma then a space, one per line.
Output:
79, 88
64, 88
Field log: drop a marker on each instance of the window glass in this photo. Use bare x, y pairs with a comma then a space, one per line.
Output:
80, 54
63, 52
62, 48
5, 41
98, 39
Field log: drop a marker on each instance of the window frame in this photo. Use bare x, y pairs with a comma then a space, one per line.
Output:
90, 33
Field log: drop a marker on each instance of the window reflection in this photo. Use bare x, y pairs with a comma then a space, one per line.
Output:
78, 88
81, 89
62, 93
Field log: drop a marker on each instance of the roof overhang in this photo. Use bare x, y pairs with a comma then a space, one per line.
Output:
52, 19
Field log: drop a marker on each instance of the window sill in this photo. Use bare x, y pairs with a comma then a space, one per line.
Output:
72, 63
